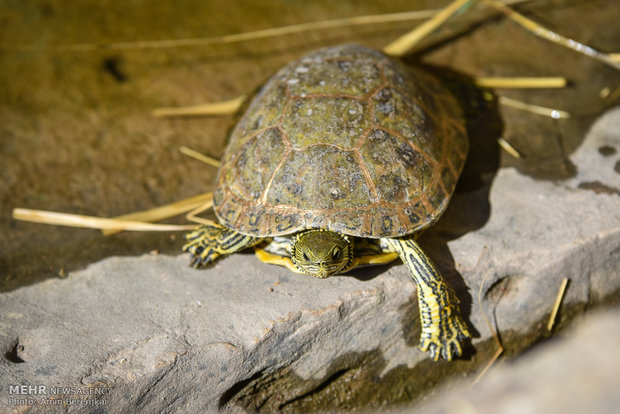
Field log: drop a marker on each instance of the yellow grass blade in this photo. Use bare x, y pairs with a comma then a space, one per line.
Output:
541, 31
209, 109
235, 38
193, 215
500, 347
231, 106
239, 37
535, 109
609, 95
406, 42
556, 305
199, 156
517, 83
76, 220
498, 352
164, 212
507, 146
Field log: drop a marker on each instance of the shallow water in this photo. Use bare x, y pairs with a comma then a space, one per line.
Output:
76, 135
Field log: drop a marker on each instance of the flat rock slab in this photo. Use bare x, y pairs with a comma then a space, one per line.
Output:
152, 333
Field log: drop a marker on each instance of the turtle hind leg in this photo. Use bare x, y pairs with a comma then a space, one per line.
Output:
443, 329
210, 241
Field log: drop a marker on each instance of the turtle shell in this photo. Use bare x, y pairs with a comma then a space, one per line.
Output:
345, 139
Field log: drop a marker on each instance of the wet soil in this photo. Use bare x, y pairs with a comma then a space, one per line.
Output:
76, 133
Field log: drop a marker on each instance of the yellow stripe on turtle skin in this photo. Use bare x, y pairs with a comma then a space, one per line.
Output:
271, 258
375, 259
443, 330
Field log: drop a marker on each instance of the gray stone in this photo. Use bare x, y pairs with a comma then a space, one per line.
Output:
577, 374
165, 337
541, 232
138, 322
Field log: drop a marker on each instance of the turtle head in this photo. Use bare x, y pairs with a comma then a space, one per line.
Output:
321, 253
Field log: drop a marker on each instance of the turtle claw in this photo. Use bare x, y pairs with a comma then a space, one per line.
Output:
203, 244
438, 350
449, 345
210, 241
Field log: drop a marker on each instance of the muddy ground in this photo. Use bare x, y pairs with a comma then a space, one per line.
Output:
76, 133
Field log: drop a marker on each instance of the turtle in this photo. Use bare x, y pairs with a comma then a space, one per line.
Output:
340, 160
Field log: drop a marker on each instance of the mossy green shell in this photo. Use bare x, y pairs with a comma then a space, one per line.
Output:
345, 139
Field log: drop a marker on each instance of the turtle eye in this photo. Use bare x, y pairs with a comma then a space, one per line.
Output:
305, 257
336, 254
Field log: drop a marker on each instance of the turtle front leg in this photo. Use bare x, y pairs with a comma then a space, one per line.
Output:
210, 241
443, 329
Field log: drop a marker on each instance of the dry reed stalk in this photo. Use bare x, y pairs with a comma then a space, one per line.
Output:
556, 305
163, 212
77, 220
